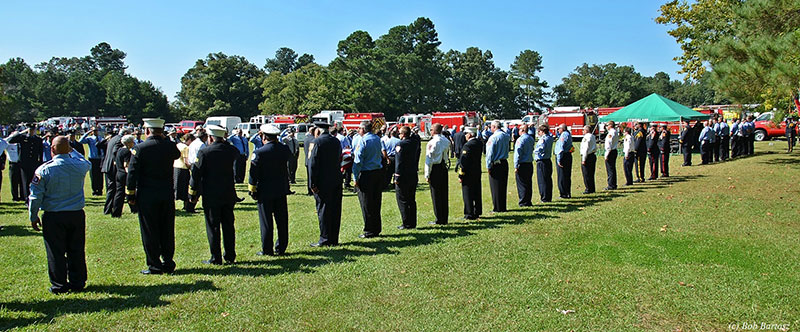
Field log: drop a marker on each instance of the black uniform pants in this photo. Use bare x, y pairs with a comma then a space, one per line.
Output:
64, 234
267, 210
471, 193
239, 166
686, 150
292, 168
388, 173
96, 177
439, 193
524, 177
664, 156
735, 146
705, 152
715, 148
180, 180
611, 169
370, 186
655, 159
751, 149
308, 179
28, 171
405, 191
641, 159
17, 188
329, 213
587, 168
564, 175
219, 217
111, 187
118, 201
498, 183
627, 167
157, 224
544, 178
724, 146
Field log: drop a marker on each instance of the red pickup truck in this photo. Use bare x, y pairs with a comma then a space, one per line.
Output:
766, 129
187, 126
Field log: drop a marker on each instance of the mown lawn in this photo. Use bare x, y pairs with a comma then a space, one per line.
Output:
710, 246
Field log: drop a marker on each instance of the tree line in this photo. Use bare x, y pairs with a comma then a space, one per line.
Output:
402, 71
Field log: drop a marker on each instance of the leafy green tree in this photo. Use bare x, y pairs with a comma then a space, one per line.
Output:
286, 61
221, 85
106, 59
476, 84
605, 85
525, 75
17, 81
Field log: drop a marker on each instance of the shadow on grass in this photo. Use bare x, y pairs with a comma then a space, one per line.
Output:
784, 161
123, 297
16, 230
12, 207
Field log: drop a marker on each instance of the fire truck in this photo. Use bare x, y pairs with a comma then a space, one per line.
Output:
574, 118
421, 121
353, 120
456, 119
289, 119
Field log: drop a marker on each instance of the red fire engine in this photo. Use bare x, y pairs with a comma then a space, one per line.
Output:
456, 119
289, 119
353, 120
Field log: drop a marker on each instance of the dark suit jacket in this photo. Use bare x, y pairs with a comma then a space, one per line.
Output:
112, 146
459, 139
31, 149
213, 171
150, 169
269, 175
470, 161
405, 161
324, 163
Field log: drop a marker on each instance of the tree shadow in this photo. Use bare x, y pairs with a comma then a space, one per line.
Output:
16, 230
13, 207
784, 161
123, 297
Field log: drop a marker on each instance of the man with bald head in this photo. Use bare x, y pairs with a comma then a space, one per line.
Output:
57, 188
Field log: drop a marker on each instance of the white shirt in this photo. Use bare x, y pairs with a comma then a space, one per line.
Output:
612, 141
193, 149
13, 153
435, 152
627, 145
588, 145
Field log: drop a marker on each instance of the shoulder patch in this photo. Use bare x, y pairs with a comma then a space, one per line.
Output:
36, 178
133, 152
253, 157
397, 148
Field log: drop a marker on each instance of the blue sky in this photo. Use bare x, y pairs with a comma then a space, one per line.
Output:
164, 38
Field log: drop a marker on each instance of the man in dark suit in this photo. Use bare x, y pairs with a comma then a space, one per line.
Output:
108, 168
308, 144
459, 139
269, 185
325, 178
664, 149
686, 139
214, 172
31, 151
149, 186
406, 178
470, 174
640, 147
653, 151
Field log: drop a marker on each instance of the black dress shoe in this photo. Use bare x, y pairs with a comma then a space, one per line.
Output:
367, 236
151, 272
566, 196
401, 227
239, 199
208, 261
58, 290
435, 223
609, 188
261, 253
279, 253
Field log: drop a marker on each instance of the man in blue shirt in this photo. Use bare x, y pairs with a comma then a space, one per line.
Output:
243, 145
368, 173
91, 138
563, 153
389, 143
57, 188
523, 165
735, 138
706, 138
544, 166
497, 165
724, 139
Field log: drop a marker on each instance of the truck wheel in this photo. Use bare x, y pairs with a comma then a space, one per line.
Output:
761, 135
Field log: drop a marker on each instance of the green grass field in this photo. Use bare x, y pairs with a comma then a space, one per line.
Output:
708, 247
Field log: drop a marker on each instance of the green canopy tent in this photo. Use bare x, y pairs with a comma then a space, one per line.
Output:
654, 108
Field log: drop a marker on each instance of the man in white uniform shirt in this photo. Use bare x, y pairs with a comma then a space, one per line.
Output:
629, 154
191, 156
588, 159
611, 142
436, 174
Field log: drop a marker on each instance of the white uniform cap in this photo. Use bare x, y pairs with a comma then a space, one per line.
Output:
471, 130
153, 123
269, 129
216, 131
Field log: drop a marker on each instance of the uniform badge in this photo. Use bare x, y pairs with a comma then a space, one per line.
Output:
253, 157
464, 152
133, 152
36, 178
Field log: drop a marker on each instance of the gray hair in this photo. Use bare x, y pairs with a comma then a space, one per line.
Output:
366, 125
497, 123
127, 139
